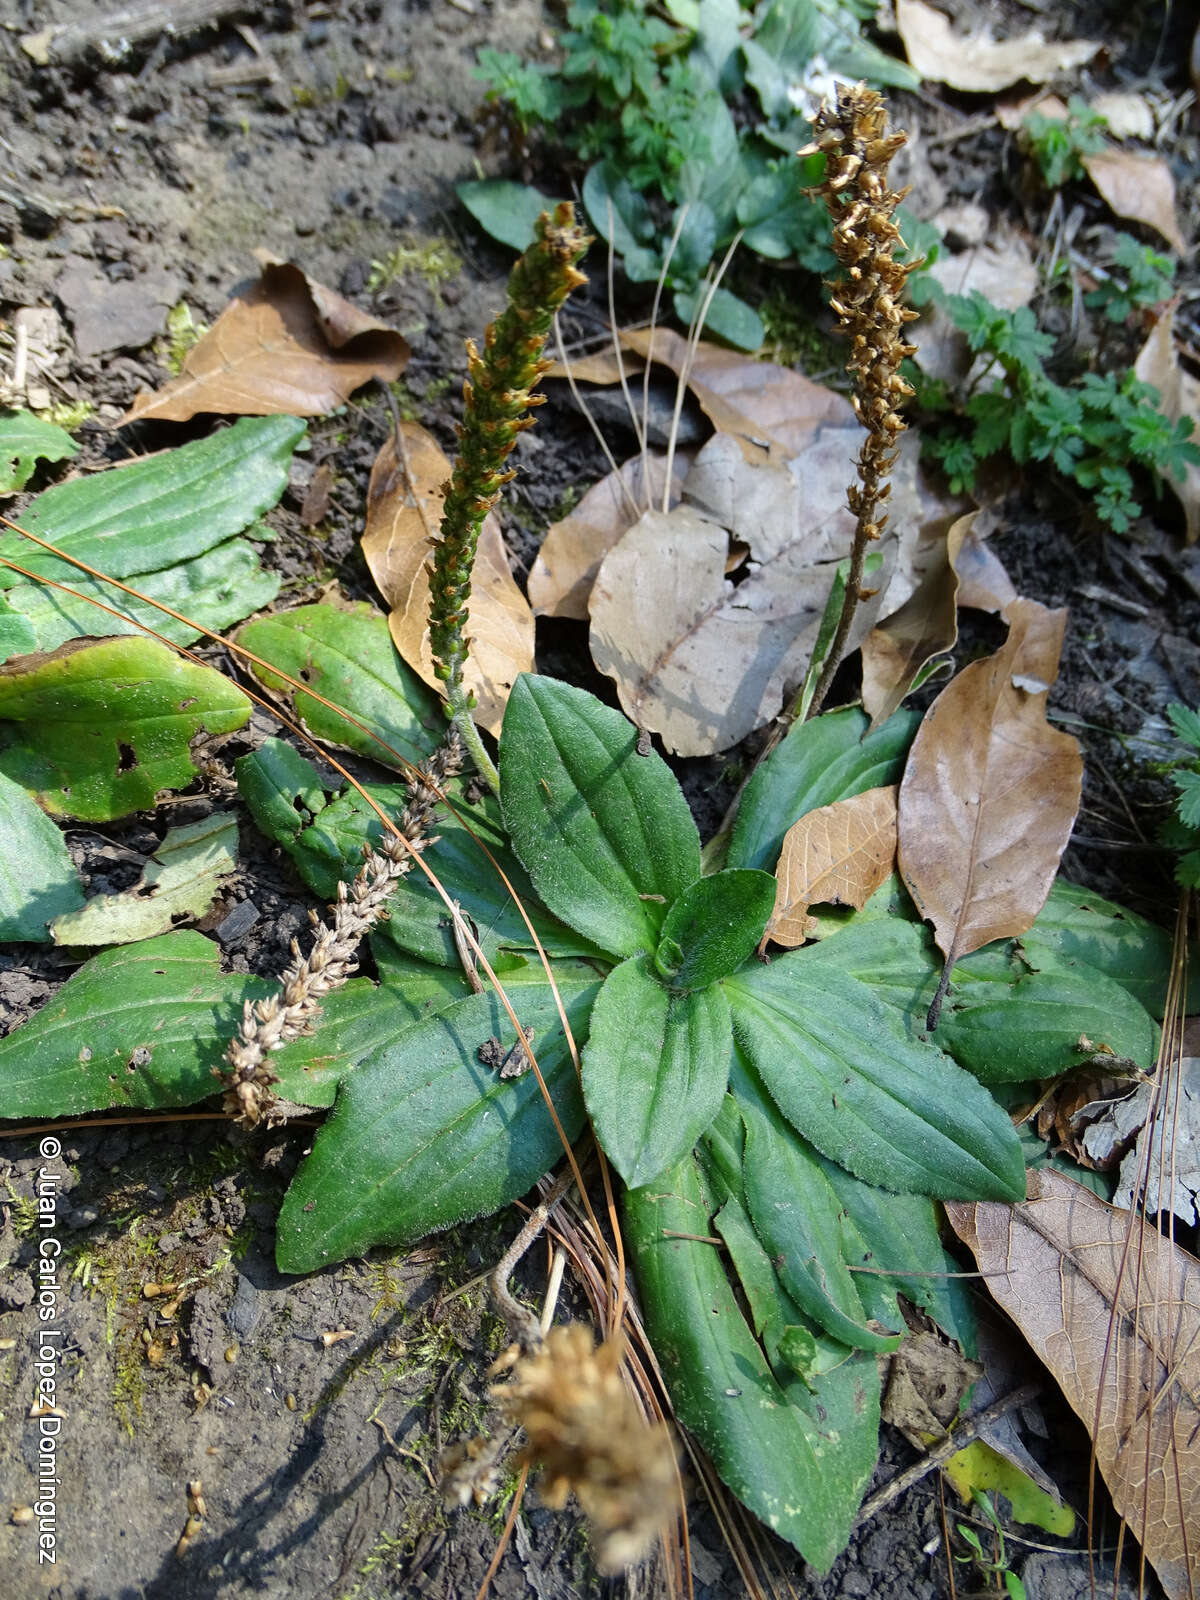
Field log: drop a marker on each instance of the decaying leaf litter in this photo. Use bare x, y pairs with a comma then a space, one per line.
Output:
295, 813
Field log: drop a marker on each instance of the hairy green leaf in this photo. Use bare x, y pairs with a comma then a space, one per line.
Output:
830, 758
282, 789
97, 730
800, 1461
38, 880
655, 1068
604, 833
423, 1135
504, 209
347, 655
17, 637
24, 441
713, 927
841, 1067
1077, 924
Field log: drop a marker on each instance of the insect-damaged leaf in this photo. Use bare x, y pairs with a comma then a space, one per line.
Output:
425, 1135
98, 729
840, 853
24, 441
990, 792
288, 346
1113, 1309
404, 510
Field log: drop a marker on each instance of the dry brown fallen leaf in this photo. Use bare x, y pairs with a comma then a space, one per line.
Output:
983, 582
288, 345
990, 792
1113, 1310
561, 577
697, 658
1164, 1164
838, 854
1158, 363
769, 410
1139, 187
977, 62
927, 1378
401, 513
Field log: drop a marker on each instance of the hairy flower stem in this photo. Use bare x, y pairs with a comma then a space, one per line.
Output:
267, 1025
858, 151
499, 398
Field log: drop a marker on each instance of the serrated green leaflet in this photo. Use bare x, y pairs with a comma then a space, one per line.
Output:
347, 655
604, 833
99, 730
139, 1026
424, 1135
840, 1066
162, 509
282, 790
830, 758
655, 1068
713, 927
38, 880
802, 1470
214, 589
798, 1220
24, 441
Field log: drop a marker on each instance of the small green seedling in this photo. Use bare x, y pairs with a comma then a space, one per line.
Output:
1144, 280
993, 1566
1059, 144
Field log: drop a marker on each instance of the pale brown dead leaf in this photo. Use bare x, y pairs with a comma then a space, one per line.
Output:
769, 410
983, 582
288, 345
1158, 363
402, 511
1113, 1310
927, 1378
561, 577
695, 657
1139, 187
977, 62
1010, 114
1164, 1164
836, 855
990, 791
1128, 115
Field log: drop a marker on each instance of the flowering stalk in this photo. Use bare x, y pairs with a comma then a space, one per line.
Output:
267, 1025
498, 399
858, 151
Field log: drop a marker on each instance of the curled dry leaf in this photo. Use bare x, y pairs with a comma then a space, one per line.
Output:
1164, 1165
990, 792
1158, 363
404, 507
1139, 187
697, 658
1113, 1309
838, 854
286, 346
983, 582
561, 578
976, 61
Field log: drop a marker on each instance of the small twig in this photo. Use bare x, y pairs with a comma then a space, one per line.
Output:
522, 1325
963, 1434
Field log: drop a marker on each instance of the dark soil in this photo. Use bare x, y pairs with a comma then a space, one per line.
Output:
151, 170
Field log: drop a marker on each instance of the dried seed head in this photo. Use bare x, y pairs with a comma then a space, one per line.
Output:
584, 1428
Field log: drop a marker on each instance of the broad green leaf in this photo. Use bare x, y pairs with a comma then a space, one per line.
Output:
622, 217
17, 637
655, 1069
348, 656
797, 1217
800, 1462
604, 833
97, 730
790, 1343
728, 317
214, 590
282, 789
713, 927
1077, 924
423, 1135
162, 509
504, 209
38, 880
818, 762
141, 1026
841, 1067
180, 882
24, 441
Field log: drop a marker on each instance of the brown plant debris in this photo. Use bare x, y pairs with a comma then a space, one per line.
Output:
1113, 1309
267, 1025
584, 1428
977, 61
837, 854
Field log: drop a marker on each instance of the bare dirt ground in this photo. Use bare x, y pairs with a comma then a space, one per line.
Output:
326, 136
